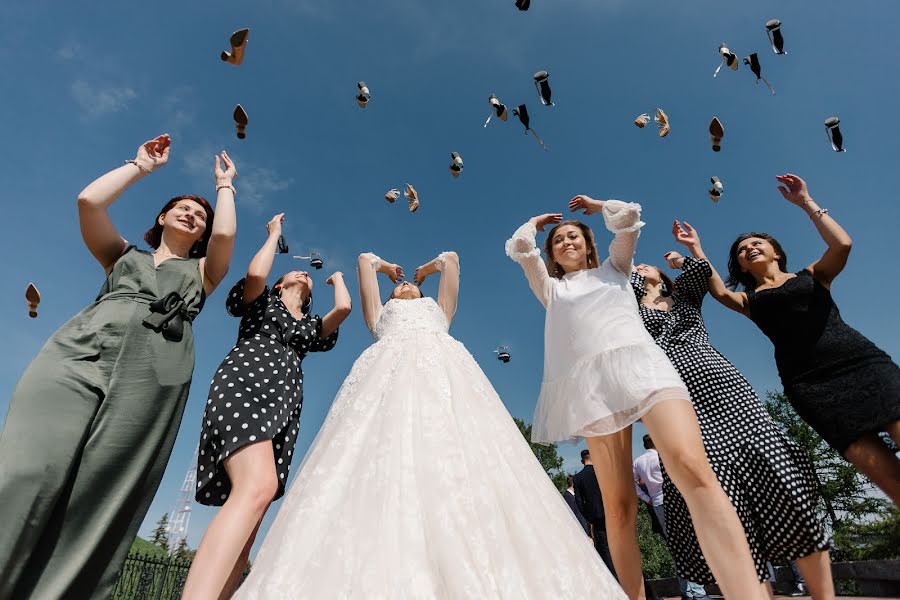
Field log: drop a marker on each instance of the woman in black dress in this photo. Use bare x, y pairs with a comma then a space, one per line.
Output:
839, 382
253, 412
767, 477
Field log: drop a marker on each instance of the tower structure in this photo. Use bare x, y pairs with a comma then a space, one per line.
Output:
180, 516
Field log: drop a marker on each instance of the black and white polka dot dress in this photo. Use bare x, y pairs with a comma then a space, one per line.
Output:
257, 392
768, 478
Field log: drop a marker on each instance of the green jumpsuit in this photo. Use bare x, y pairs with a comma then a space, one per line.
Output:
90, 428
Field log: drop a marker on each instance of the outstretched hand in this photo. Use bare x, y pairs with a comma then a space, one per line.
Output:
154, 153
685, 235
541, 221
225, 176
274, 226
794, 189
586, 204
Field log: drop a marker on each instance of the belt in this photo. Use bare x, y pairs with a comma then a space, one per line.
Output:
167, 315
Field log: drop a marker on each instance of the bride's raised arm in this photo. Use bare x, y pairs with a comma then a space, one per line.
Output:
448, 290
368, 266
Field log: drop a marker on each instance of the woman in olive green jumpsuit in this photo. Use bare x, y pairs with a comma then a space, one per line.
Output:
93, 419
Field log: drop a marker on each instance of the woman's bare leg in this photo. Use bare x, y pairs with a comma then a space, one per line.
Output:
235, 578
676, 434
254, 482
816, 570
611, 455
876, 461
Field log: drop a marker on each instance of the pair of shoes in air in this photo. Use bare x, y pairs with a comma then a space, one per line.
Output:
661, 118
412, 197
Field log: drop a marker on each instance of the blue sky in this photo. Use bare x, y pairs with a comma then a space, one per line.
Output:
86, 84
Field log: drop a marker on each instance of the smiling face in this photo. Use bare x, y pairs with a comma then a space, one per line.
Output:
570, 247
186, 217
299, 280
755, 251
406, 291
751, 256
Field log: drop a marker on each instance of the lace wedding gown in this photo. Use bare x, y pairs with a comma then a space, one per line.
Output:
419, 485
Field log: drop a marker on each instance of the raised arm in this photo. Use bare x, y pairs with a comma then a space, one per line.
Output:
97, 229
521, 247
367, 267
342, 305
261, 265
736, 301
838, 241
214, 266
623, 219
447, 263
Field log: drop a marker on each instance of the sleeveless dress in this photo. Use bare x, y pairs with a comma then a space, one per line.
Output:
90, 429
770, 481
602, 371
257, 392
420, 485
837, 380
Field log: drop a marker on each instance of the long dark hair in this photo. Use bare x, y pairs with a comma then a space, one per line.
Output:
154, 235
552, 266
736, 276
307, 306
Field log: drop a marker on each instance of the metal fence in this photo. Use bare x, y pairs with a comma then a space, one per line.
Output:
148, 577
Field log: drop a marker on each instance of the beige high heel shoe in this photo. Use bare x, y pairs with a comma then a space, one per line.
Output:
33, 298
238, 43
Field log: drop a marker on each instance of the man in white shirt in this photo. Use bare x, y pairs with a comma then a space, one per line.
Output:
647, 471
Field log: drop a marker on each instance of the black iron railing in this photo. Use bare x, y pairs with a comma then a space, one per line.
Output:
148, 577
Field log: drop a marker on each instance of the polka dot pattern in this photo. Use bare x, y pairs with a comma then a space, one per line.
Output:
257, 392
768, 478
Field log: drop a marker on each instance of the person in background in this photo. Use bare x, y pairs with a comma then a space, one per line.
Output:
589, 500
648, 482
569, 496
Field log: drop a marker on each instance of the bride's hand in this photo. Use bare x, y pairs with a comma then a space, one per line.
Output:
541, 221
395, 272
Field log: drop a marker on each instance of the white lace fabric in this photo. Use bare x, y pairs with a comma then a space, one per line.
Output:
602, 370
419, 485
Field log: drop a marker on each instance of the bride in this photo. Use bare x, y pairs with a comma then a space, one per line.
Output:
419, 484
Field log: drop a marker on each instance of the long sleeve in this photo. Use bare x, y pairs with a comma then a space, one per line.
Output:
637, 486
521, 247
693, 283
624, 220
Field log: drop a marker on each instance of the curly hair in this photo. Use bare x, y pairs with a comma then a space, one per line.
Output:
735, 275
553, 267
153, 236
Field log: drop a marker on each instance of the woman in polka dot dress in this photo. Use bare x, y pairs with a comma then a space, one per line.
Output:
768, 478
253, 411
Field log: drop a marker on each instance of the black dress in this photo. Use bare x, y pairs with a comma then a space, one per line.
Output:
257, 392
766, 476
838, 381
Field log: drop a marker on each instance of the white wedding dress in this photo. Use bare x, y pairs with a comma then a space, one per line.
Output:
419, 485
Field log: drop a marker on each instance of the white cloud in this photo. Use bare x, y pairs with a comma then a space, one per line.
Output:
95, 100
254, 184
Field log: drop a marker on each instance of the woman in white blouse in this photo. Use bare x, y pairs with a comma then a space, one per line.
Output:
603, 372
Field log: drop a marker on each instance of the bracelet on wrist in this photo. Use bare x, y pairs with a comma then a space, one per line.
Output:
140, 167
821, 212
227, 185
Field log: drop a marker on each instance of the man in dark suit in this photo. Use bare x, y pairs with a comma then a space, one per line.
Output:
569, 495
590, 502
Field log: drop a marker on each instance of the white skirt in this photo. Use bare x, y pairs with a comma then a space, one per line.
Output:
604, 393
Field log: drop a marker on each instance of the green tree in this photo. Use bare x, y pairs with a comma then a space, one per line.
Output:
183, 552
160, 535
656, 562
546, 454
848, 500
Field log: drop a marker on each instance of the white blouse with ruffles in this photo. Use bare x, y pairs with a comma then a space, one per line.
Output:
602, 370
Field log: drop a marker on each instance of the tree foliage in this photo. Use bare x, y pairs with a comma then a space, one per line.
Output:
160, 535
183, 552
656, 562
546, 454
863, 523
